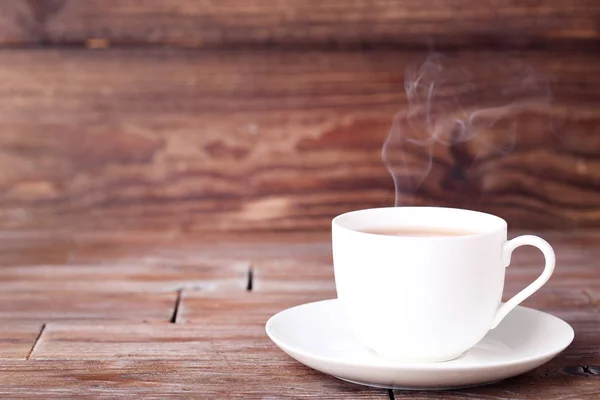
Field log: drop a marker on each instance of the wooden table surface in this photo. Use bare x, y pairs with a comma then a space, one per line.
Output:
156, 316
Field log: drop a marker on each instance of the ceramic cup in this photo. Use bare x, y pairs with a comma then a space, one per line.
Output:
425, 299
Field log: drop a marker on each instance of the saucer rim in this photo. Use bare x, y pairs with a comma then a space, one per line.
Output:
418, 366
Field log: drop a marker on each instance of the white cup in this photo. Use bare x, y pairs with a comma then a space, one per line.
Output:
425, 299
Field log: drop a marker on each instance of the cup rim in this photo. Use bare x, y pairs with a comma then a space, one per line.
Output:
502, 225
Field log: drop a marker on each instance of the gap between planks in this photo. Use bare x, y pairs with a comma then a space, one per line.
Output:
173, 319
250, 278
35, 342
249, 285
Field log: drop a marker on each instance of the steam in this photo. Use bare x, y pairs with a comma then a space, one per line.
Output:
458, 116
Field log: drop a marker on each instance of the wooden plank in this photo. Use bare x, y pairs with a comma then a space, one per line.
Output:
585, 341
17, 338
218, 347
547, 382
192, 249
270, 251
247, 376
148, 341
197, 141
561, 378
240, 309
128, 278
299, 22
237, 346
293, 275
565, 276
48, 306
268, 371
33, 249
563, 296
570, 305
566, 295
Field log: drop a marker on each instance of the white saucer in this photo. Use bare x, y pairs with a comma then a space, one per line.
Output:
316, 335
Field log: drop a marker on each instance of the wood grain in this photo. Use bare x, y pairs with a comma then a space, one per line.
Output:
95, 343
280, 376
553, 380
593, 295
49, 305
46, 249
293, 276
155, 248
209, 342
241, 309
548, 382
233, 348
17, 338
188, 23
246, 377
119, 278
198, 141
570, 305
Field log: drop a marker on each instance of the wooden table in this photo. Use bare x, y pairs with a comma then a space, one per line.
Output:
156, 316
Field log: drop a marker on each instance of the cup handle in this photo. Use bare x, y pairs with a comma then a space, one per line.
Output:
508, 248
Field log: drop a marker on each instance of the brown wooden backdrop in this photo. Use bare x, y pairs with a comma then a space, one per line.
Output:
257, 115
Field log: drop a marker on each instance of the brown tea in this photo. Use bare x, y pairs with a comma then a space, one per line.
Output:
418, 231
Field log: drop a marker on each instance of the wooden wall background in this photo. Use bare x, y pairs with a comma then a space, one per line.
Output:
234, 115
